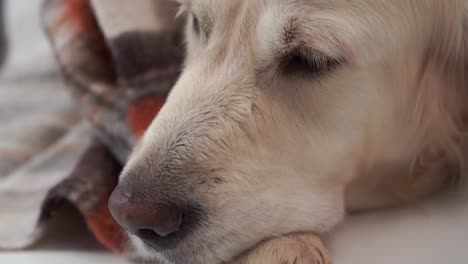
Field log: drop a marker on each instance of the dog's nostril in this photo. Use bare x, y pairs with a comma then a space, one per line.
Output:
153, 236
148, 234
159, 231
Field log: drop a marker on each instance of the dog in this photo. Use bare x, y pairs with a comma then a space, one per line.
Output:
291, 113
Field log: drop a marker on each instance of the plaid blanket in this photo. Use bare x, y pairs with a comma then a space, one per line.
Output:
119, 60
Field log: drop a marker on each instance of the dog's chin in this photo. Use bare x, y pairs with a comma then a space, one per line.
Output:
198, 249
145, 253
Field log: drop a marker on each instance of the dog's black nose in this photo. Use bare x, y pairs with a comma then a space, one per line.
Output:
144, 218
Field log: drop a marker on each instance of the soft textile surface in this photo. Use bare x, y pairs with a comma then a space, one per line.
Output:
119, 72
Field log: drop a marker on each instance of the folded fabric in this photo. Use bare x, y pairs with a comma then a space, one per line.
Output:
119, 60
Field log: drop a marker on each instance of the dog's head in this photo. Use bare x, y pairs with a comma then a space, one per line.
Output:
281, 104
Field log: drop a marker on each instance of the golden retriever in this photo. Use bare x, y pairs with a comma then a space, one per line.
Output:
291, 113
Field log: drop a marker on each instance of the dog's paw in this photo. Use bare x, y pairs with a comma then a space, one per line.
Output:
291, 249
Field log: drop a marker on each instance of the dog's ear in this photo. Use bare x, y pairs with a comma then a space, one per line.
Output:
443, 89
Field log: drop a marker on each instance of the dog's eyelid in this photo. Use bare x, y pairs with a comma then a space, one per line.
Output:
310, 63
200, 26
196, 24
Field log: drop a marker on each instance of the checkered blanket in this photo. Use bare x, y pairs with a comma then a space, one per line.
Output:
119, 60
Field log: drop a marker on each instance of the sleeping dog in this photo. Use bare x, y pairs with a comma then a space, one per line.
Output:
291, 113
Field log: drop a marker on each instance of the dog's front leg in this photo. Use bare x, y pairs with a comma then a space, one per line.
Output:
303, 248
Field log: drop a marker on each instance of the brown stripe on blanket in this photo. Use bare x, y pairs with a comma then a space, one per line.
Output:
147, 61
88, 188
147, 49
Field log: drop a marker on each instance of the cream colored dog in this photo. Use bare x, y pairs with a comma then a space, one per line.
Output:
291, 113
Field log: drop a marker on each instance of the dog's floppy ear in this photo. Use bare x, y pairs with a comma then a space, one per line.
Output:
442, 89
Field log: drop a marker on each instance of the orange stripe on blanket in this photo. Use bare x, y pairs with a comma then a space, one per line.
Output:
143, 111
106, 230
79, 13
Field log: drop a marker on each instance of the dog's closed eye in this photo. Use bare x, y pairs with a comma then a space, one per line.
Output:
308, 64
196, 25
200, 27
